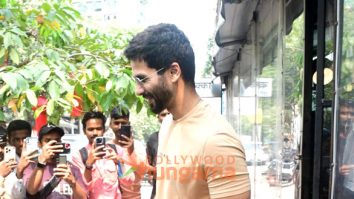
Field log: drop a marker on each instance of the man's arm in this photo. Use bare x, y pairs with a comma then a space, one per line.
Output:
227, 174
93, 155
65, 172
34, 182
5, 170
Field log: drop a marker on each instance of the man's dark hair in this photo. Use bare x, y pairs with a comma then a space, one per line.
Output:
346, 103
16, 125
118, 112
93, 115
161, 45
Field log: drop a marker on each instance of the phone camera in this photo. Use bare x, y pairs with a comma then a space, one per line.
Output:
66, 145
99, 140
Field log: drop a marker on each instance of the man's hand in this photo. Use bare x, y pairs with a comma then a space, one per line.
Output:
112, 155
24, 161
345, 169
63, 171
127, 143
95, 153
7, 167
49, 150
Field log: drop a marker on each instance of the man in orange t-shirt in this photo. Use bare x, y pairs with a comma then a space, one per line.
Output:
199, 155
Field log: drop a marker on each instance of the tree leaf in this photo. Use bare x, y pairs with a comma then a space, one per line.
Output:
89, 73
50, 107
18, 31
43, 78
46, 7
109, 85
102, 69
9, 80
2, 52
2, 116
3, 89
31, 96
53, 90
139, 104
14, 56
22, 83
39, 110
7, 40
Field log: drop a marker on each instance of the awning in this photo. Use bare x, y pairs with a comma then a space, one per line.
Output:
233, 34
238, 17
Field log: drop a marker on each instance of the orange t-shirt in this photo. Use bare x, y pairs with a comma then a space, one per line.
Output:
199, 156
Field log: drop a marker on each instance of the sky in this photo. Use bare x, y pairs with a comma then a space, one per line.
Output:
196, 18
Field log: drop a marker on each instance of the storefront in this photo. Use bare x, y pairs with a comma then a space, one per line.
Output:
287, 68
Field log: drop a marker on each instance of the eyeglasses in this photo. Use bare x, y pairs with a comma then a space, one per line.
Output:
163, 114
142, 80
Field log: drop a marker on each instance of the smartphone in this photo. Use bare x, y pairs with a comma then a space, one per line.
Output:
31, 144
66, 147
10, 153
100, 141
34, 152
61, 159
125, 130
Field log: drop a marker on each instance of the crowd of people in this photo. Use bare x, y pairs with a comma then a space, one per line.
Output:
195, 154
93, 172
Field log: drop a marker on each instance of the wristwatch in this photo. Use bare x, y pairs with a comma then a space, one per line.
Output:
41, 165
88, 167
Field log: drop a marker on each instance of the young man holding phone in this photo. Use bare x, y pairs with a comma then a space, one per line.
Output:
6, 167
17, 131
98, 161
134, 156
51, 179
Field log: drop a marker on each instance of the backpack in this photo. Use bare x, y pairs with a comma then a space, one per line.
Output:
84, 154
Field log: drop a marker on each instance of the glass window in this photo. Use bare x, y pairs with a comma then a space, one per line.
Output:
267, 104
344, 142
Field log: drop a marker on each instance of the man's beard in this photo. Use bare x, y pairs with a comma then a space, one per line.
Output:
159, 97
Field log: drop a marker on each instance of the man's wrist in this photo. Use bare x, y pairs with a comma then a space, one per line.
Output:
42, 160
19, 173
73, 184
131, 149
88, 165
41, 165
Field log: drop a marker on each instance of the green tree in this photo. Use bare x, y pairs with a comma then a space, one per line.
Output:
208, 69
45, 52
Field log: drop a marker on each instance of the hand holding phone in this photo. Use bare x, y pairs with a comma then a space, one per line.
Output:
7, 167
61, 159
10, 153
49, 151
126, 131
100, 143
64, 172
65, 146
30, 149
